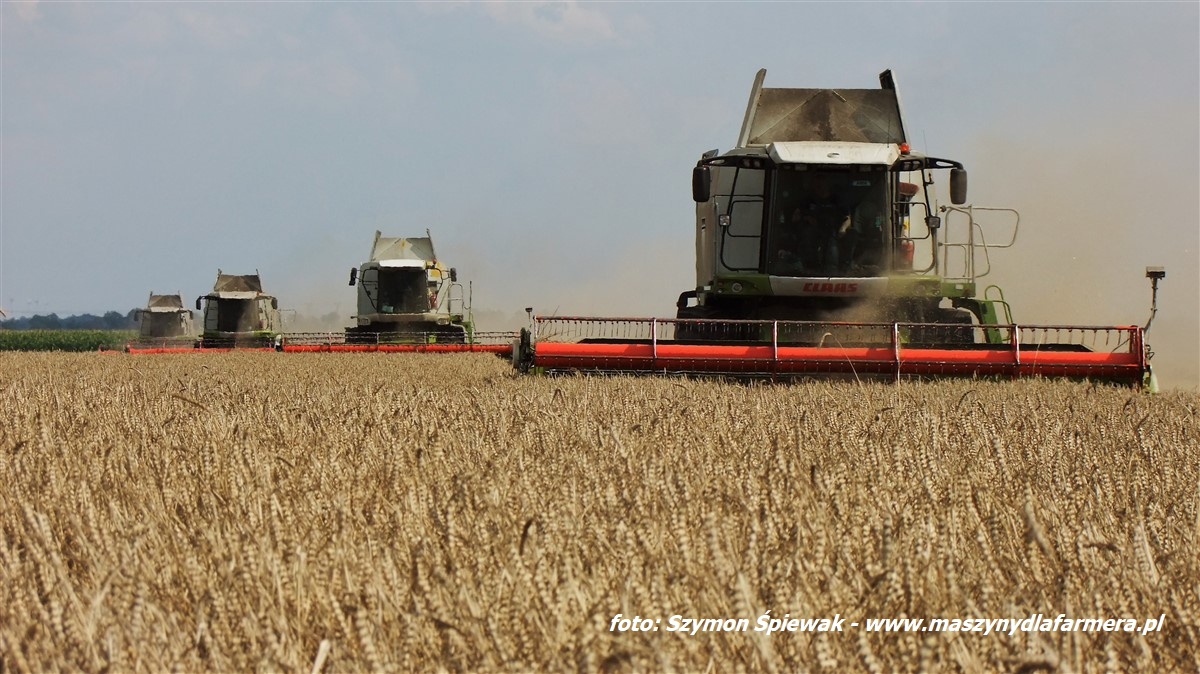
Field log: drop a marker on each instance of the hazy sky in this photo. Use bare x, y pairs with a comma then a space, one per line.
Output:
549, 146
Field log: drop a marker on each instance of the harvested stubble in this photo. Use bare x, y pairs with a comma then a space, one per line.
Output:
229, 512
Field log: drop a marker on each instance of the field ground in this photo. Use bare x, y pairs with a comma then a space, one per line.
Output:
234, 512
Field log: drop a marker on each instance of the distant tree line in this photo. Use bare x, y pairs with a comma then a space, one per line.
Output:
112, 320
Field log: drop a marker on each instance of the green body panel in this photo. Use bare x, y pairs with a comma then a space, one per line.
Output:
750, 285
910, 298
957, 289
988, 313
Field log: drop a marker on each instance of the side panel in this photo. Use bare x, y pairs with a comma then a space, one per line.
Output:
211, 315
707, 232
922, 205
268, 316
738, 194
365, 305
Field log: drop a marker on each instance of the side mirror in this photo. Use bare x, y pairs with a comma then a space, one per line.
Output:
198, 303
701, 184
353, 275
275, 304
453, 275
958, 186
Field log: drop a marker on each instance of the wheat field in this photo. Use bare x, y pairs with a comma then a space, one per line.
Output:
362, 512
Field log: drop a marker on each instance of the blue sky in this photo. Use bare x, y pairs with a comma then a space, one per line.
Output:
548, 146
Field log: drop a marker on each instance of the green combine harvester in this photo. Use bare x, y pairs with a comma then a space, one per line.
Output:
406, 295
822, 248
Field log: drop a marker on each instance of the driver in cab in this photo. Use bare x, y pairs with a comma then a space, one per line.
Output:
817, 224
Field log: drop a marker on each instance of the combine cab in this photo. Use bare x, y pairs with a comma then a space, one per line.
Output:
238, 314
821, 248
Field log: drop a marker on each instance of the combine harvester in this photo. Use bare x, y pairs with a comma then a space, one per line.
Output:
407, 302
164, 323
238, 314
821, 250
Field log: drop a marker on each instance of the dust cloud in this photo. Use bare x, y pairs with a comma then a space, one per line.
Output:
642, 280
1092, 219
311, 283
